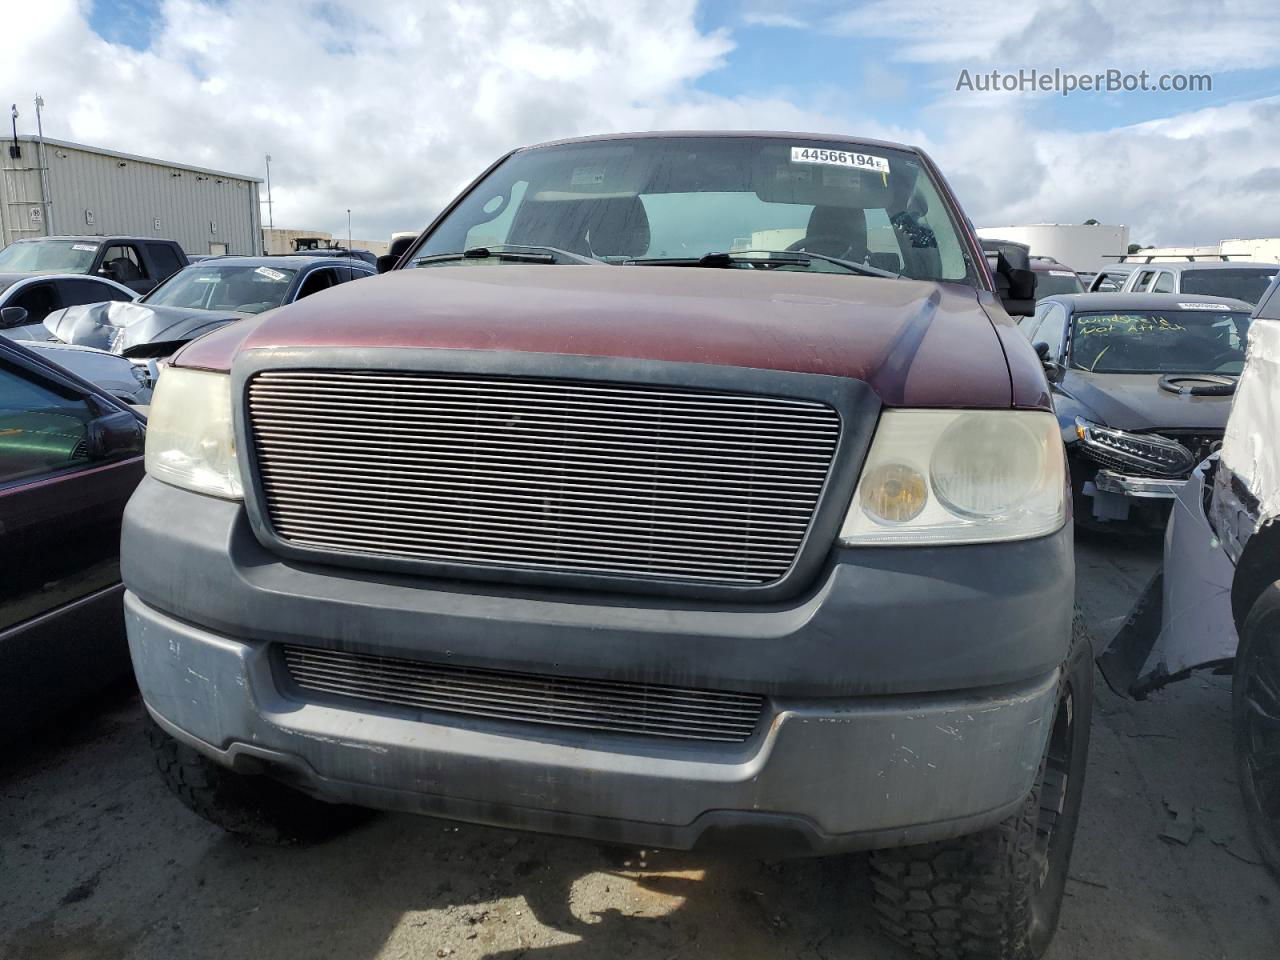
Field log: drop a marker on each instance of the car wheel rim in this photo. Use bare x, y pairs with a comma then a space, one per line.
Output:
1262, 731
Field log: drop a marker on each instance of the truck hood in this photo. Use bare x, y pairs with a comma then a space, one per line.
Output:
916, 343
1135, 401
122, 328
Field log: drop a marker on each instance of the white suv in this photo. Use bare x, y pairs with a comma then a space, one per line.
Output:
1242, 280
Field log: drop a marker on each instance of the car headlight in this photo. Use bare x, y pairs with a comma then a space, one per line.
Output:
141, 374
958, 476
1147, 452
190, 439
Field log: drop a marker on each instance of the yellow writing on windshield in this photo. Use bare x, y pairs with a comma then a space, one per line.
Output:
1122, 323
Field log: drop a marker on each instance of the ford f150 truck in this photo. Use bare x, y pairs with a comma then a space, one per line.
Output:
680, 490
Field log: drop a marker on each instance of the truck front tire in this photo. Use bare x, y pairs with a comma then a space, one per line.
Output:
996, 894
255, 807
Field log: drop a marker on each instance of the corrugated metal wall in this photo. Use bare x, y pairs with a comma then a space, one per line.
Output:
132, 196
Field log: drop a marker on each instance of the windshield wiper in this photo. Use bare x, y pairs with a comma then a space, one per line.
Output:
511, 252
776, 258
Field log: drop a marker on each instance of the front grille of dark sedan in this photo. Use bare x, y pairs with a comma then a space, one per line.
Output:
612, 707
579, 477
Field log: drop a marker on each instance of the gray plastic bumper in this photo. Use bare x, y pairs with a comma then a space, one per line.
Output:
908, 694
823, 775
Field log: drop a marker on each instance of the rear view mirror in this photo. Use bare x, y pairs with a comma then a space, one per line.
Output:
12, 317
1015, 287
114, 435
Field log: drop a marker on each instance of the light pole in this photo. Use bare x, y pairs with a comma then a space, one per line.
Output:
348, 228
46, 201
271, 217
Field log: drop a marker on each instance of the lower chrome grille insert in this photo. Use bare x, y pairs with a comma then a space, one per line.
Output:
606, 706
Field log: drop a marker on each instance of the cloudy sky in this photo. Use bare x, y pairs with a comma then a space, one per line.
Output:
389, 106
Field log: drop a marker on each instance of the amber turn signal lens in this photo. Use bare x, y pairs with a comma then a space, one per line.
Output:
893, 493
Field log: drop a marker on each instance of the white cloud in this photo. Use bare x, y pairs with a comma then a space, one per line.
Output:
1198, 177
1077, 35
387, 108
390, 107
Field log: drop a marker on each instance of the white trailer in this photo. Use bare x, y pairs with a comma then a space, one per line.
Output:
1082, 247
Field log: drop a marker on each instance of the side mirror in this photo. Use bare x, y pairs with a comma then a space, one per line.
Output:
394, 252
114, 435
1015, 287
12, 317
1052, 369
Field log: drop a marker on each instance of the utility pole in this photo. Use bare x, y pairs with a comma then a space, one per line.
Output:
46, 200
15, 151
271, 218
348, 228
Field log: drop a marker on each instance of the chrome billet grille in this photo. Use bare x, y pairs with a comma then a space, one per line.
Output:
562, 476
604, 706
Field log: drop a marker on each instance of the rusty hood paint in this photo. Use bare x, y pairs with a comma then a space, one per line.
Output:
916, 343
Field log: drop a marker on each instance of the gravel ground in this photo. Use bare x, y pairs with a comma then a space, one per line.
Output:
97, 861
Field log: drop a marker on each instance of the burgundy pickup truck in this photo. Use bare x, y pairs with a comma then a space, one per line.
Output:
680, 490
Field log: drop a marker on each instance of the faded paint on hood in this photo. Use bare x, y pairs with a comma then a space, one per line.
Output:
120, 327
1135, 401
916, 343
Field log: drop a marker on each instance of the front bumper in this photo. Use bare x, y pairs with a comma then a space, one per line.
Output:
908, 695
1183, 620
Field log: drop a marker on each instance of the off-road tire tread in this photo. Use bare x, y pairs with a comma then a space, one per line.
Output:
970, 898
251, 806
962, 899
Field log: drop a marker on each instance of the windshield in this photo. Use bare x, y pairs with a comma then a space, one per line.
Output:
1049, 282
680, 198
239, 287
1148, 341
48, 256
1242, 284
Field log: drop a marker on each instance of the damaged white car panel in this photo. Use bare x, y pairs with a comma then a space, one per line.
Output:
1228, 499
129, 329
1249, 448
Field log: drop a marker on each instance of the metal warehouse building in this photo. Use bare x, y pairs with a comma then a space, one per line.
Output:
56, 188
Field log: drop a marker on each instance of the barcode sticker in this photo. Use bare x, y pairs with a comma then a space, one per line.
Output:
840, 158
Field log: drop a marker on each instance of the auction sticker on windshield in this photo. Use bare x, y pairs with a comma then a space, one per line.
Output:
839, 158
269, 273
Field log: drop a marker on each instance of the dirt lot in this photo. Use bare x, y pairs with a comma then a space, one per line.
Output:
97, 861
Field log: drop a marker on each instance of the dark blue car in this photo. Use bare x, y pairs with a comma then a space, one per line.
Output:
1142, 386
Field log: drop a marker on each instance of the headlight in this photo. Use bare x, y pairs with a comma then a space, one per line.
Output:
943, 476
1147, 452
190, 440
